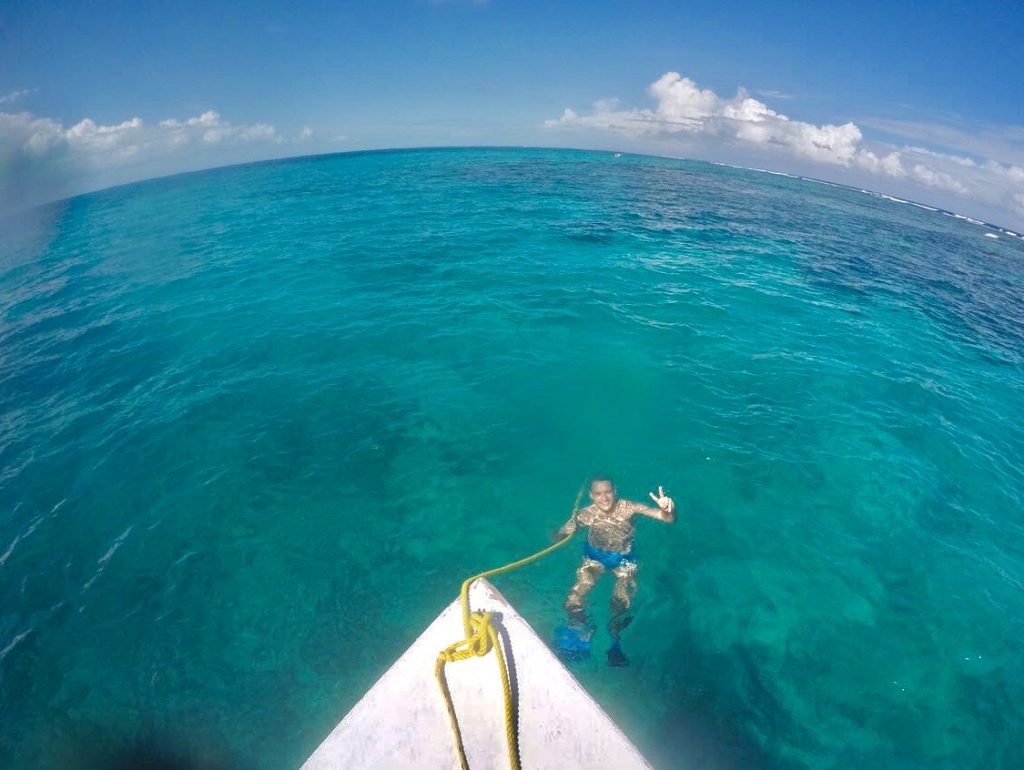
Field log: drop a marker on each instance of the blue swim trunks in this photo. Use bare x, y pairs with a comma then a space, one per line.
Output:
608, 559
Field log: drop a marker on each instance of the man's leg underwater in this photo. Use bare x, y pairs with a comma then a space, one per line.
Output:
573, 639
622, 601
576, 601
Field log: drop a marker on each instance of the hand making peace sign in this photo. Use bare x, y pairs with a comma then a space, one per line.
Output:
665, 503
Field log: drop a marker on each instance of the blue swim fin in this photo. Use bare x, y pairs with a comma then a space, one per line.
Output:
572, 644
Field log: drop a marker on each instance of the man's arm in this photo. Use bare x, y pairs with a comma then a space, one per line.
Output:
666, 510
566, 529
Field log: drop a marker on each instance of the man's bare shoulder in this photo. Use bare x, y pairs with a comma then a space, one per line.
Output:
631, 506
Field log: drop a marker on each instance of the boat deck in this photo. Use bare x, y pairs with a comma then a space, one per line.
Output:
402, 720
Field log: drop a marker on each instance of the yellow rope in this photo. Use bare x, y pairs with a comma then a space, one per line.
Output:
481, 638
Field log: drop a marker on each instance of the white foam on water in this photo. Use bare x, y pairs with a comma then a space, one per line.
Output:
901, 200
14, 643
10, 549
101, 563
776, 173
969, 219
117, 544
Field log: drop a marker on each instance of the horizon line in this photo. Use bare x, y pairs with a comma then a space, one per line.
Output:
429, 148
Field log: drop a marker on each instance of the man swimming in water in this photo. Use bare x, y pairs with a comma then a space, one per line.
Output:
609, 546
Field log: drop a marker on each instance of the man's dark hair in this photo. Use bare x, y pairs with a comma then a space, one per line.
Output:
600, 477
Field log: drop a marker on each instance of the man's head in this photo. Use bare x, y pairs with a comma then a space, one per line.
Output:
602, 493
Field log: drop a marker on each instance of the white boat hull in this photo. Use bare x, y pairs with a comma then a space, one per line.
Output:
402, 721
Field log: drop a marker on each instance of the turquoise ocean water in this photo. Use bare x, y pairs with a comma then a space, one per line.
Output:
257, 423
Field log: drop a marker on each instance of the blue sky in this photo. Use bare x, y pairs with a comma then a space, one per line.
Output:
918, 100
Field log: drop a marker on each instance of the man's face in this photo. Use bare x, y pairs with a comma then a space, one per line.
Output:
602, 493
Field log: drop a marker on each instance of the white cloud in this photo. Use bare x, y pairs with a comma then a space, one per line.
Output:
960, 160
38, 135
208, 118
685, 108
91, 137
260, 131
890, 164
698, 119
1012, 173
14, 96
932, 178
774, 94
210, 128
980, 140
42, 159
104, 144
681, 101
